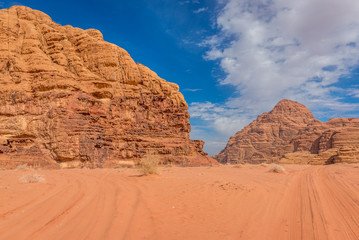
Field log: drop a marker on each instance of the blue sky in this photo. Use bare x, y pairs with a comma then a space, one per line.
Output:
233, 59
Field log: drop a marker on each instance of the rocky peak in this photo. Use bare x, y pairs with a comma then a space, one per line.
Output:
287, 112
291, 108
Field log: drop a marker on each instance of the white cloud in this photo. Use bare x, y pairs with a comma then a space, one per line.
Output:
281, 47
354, 92
204, 9
192, 90
275, 49
188, 1
184, 2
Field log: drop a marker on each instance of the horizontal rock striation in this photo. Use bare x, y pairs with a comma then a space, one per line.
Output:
70, 99
290, 134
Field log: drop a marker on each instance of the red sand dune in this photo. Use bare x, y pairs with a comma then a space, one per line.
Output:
307, 202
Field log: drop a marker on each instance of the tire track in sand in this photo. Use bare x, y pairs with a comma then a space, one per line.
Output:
320, 205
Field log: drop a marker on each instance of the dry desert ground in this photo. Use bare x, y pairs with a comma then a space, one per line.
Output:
225, 202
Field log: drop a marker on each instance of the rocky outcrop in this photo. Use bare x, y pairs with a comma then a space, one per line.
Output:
69, 98
290, 134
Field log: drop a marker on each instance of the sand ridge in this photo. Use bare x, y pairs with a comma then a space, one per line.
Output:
306, 202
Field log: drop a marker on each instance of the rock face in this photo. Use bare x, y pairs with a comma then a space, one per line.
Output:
290, 134
68, 98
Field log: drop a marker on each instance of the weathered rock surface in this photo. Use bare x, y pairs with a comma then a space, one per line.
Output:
68, 98
290, 134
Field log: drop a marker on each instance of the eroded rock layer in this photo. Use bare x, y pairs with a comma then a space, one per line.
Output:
68, 98
290, 134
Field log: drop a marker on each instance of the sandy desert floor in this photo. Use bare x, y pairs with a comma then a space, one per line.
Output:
308, 202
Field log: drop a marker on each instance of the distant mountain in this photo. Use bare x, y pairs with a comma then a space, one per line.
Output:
290, 134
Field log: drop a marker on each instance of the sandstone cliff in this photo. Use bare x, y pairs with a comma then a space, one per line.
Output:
69, 98
290, 134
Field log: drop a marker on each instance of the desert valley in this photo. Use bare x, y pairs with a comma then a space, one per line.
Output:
224, 202
96, 146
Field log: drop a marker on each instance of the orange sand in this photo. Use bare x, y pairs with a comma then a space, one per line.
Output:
308, 202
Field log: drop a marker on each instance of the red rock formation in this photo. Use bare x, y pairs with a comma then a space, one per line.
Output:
68, 98
290, 134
